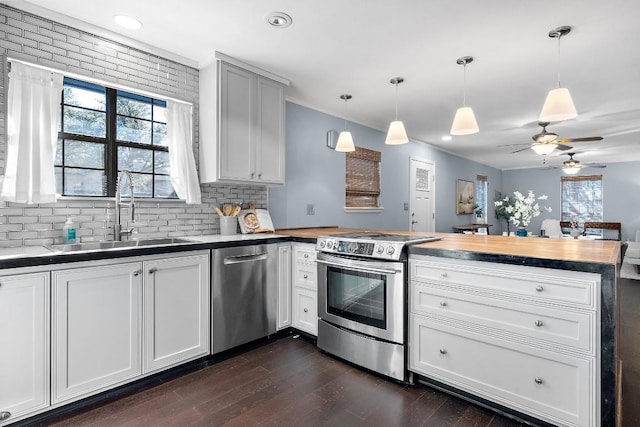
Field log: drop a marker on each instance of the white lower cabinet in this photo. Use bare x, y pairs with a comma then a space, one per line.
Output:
114, 323
305, 288
284, 285
524, 337
176, 311
96, 329
24, 353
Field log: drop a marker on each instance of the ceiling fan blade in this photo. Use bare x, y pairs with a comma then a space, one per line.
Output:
563, 147
522, 149
512, 145
586, 139
595, 166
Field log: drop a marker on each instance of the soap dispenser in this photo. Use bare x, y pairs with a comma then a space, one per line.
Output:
69, 231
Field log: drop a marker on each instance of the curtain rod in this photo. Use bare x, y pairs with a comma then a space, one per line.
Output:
97, 81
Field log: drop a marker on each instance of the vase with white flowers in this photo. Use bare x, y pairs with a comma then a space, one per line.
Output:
522, 209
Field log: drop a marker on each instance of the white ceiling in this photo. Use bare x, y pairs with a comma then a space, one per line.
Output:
356, 46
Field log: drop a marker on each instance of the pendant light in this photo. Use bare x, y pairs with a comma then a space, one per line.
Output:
558, 106
345, 141
464, 123
397, 134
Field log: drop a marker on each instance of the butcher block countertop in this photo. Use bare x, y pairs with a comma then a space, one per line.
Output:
596, 251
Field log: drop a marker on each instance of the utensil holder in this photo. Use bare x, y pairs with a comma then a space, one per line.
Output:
228, 225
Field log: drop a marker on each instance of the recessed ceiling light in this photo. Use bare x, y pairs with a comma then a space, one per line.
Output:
446, 138
279, 19
127, 22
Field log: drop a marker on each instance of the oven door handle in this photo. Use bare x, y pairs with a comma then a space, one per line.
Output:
359, 268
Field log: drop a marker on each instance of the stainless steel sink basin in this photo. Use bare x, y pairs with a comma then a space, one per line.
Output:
106, 245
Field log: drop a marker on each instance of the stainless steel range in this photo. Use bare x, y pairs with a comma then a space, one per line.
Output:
362, 299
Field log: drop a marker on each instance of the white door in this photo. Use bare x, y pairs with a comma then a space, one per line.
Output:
422, 193
176, 310
95, 334
24, 354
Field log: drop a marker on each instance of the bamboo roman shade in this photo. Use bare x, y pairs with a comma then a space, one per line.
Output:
363, 178
581, 198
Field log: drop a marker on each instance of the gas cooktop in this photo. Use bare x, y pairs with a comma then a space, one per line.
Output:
370, 244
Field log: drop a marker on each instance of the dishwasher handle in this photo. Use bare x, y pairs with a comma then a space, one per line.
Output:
244, 258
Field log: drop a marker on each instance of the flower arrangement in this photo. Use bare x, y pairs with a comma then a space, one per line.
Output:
574, 223
521, 209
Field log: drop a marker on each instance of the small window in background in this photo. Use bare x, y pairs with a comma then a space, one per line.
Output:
481, 194
84, 157
582, 199
363, 178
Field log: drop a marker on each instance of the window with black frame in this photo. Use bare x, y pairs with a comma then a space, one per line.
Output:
105, 130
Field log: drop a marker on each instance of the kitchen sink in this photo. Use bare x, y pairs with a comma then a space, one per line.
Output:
106, 245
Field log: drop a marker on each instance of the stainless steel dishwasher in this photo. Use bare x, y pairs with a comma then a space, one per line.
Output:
244, 294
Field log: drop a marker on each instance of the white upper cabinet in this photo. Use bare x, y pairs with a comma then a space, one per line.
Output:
242, 135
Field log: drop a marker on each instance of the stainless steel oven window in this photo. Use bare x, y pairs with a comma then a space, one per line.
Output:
358, 296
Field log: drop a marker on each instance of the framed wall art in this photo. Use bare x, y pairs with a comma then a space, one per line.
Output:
465, 197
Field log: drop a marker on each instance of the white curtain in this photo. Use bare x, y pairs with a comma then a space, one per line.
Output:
33, 110
184, 176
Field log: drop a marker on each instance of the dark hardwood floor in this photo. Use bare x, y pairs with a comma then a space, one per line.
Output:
287, 382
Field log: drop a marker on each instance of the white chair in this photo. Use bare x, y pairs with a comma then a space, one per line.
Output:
551, 228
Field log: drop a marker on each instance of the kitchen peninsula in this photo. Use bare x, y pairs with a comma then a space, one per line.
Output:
562, 275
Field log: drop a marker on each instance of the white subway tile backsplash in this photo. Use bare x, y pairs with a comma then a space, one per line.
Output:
36, 39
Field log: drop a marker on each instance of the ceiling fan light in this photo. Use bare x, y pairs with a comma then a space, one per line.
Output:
464, 123
558, 106
345, 142
571, 170
543, 149
397, 134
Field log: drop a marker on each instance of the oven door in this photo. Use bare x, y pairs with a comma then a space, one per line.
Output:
366, 296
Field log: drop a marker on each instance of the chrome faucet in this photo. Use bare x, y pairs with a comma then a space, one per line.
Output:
118, 232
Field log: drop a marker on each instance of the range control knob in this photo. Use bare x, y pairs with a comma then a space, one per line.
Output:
380, 249
322, 243
329, 245
391, 250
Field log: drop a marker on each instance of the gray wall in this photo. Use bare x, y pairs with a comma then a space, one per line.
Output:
315, 175
42, 41
621, 190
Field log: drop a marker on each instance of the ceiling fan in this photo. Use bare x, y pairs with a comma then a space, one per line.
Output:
573, 166
546, 142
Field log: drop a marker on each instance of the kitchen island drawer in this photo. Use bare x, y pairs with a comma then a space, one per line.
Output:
509, 281
546, 326
550, 386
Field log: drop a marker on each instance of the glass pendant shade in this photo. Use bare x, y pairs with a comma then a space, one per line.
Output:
464, 123
558, 106
397, 134
571, 170
543, 149
345, 142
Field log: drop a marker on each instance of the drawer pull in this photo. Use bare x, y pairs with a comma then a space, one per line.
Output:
306, 276
538, 323
4, 415
306, 255
306, 310
443, 274
443, 351
539, 288
538, 380
443, 303
152, 270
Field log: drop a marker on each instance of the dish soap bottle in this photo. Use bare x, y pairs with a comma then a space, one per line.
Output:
69, 231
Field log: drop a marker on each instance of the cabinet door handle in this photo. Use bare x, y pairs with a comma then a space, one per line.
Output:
306, 276
539, 288
443, 351
259, 176
443, 303
136, 273
252, 174
152, 270
306, 310
306, 255
4, 415
443, 274
538, 323
538, 380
